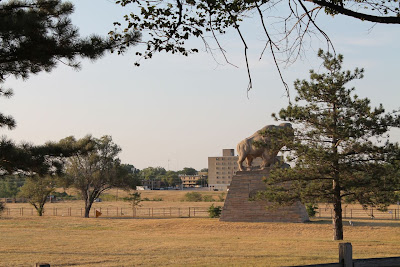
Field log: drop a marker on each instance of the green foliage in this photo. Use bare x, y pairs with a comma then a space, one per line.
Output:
37, 190
36, 35
31, 159
171, 178
108, 197
214, 212
94, 168
132, 175
193, 197
208, 198
341, 148
311, 209
2, 207
221, 197
188, 171
10, 185
154, 199
171, 24
65, 196
134, 199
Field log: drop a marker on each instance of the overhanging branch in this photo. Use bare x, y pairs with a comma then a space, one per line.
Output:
361, 16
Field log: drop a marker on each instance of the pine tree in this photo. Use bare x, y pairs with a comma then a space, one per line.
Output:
341, 150
37, 35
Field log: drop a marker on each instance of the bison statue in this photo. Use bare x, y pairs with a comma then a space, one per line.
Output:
265, 143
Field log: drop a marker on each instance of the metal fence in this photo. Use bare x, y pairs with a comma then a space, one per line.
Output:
114, 212
350, 213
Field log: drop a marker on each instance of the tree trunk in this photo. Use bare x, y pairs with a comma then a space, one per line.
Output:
88, 206
87, 210
337, 216
40, 210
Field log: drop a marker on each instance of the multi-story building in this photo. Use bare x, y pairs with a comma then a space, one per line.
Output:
198, 180
222, 169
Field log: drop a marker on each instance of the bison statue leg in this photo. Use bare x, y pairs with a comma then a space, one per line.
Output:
240, 161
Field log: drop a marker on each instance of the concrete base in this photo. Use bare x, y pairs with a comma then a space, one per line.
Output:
238, 207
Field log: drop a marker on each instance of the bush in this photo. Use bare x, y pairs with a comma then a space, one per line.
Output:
221, 197
2, 207
193, 197
208, 198
108, 197
311, 209
65, 196
214, 212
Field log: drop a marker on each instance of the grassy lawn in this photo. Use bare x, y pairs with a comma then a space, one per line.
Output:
73, 241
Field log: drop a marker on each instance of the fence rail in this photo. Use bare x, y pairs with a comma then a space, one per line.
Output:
114, 212
348, 213
371, 213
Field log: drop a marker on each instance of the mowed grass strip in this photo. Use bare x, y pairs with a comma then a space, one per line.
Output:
72, 241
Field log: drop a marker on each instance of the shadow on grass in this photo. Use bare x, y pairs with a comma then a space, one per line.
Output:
357, 222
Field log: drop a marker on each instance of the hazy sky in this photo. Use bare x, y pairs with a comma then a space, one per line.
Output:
176, 111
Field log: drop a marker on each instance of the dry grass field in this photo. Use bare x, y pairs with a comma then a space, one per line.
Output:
75, 241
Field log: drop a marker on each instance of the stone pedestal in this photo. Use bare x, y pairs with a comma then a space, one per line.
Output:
238, 207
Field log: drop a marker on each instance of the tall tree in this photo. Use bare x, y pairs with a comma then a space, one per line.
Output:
171, 178
341, 149
37, 190
95, 168
286, 25
188, 171
37, 35
31, 159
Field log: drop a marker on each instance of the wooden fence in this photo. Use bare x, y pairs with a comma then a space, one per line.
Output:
346, 260
114, 212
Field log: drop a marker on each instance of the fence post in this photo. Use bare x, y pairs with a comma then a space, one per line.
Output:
346, 254
189, 212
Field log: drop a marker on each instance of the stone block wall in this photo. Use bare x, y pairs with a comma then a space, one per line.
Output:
238, 207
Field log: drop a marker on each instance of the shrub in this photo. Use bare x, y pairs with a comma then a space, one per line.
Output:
193, 197
221, 197
311, 209
208, 198
214, 212
2, 207
108, 197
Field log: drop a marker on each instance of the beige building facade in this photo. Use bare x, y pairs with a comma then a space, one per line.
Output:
189, 181
222, 169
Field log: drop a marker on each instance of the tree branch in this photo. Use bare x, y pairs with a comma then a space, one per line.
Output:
351, 13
